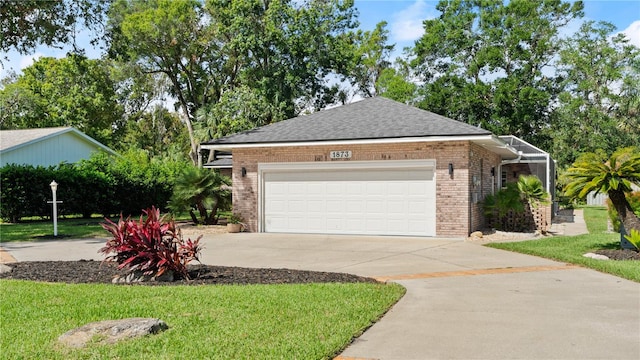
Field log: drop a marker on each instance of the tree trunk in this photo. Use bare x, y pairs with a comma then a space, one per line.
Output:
194, 218
203, 212
627, 216
212, 219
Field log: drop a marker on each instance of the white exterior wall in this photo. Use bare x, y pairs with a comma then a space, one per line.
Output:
66, 147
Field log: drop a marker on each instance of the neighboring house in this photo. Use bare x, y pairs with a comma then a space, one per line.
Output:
47, 146
371, 167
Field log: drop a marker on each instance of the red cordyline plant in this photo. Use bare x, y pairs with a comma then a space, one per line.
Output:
152, 245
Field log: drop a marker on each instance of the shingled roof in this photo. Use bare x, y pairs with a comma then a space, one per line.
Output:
372, 118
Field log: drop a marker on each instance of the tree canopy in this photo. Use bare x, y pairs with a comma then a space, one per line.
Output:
26, 24
601, 98
73, 91
485, 62
231, 65
282, 50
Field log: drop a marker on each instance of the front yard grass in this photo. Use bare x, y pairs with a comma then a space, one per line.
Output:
310, 321
34, 230
571, 249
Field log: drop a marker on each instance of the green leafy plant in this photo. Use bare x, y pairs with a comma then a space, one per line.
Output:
532, 191
613, 175
201, 190
634, 238
498, 207
235, 219
152, 245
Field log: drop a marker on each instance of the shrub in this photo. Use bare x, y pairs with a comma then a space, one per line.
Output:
633, 199
202, 191
532, 191
634, 238
152, 246
25, 191
510, 208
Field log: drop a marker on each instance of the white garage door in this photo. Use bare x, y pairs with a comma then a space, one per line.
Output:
350, 201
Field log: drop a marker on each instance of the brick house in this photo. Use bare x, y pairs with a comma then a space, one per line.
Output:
374, 167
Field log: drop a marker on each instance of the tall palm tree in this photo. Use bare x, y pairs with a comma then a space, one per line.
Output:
200, 190
614, 175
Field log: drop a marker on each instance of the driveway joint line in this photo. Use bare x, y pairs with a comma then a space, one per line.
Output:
491, 271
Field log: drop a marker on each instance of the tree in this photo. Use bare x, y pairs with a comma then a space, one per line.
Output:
282, 50
159, 132
393, 85
484, 62
72, 91
169, 38
237, 110
595, 172
28, 23
601, 79
201, 190
371, 59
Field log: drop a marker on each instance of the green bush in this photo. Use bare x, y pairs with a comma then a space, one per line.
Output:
24, 191
633, 199
101, 185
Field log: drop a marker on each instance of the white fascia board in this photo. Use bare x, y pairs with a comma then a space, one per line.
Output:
228, 147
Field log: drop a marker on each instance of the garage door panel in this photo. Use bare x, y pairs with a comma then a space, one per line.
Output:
350, 202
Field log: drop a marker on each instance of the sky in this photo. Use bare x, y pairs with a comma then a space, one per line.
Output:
404, 18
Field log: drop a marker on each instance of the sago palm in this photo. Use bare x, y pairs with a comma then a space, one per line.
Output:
202, 190
614, 176
532, 191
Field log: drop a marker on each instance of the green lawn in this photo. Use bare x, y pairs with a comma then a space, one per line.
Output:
33, 230
571, 249
311, 321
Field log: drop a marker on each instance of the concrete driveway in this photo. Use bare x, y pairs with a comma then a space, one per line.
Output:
463, 301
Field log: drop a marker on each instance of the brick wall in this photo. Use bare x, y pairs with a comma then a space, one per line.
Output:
481, 182
452, 192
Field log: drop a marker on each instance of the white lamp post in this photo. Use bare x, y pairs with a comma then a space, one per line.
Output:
54, 188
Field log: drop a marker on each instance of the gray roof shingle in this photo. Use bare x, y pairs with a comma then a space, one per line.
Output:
372, 118
13, 138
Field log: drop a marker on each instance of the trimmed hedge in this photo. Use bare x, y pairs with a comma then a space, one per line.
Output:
101, 185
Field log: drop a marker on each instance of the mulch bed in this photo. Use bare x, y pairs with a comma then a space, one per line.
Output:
619, 254
83, 271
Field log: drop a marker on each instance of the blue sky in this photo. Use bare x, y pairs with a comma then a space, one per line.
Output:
404, 17
405, 24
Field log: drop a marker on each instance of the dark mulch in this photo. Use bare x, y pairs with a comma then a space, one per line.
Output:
619, 254
76, 272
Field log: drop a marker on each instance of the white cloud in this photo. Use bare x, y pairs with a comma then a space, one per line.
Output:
632, 32
28, 60
406, 25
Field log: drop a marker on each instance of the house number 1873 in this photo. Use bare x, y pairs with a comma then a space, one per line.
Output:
345, 154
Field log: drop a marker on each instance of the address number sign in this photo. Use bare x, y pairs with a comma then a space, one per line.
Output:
344, 154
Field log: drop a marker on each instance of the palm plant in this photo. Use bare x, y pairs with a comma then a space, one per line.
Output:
596, 173
497, 207
201, 190
532, 191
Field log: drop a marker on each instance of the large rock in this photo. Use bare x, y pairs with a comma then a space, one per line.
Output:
111, 331
5, 269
